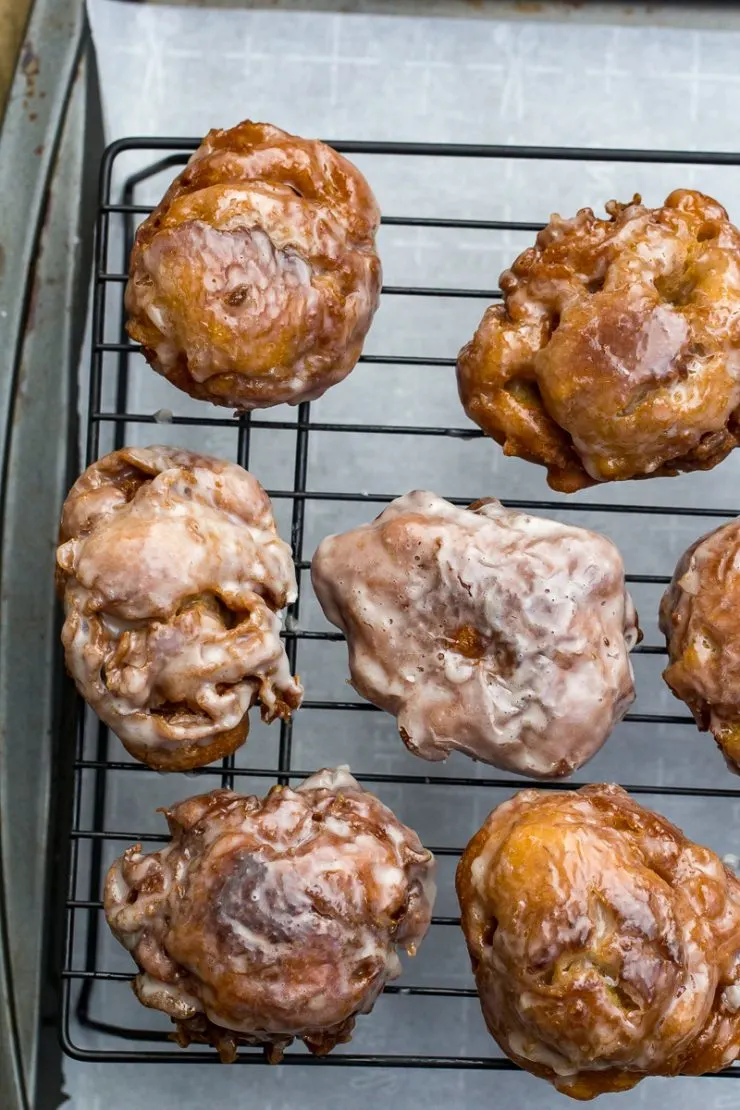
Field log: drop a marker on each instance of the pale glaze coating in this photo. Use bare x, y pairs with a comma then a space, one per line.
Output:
483, 630
700, 618
266, 919
605, 945
172, 574
256, 279
616, 351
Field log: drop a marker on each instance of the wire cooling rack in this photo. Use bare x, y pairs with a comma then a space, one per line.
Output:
95, 761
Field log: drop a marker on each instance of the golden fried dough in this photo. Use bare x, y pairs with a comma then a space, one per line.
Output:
172, 574
484, 630
605, 945
256, 279
266, 919
700, 618
616, 351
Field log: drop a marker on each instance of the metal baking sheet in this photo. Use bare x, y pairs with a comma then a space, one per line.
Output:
180, 71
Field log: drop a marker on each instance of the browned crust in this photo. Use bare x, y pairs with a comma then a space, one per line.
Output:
118, 477
702, 634
682, 879
324, 196
507, 390
201, 1030
266, 920
188, 756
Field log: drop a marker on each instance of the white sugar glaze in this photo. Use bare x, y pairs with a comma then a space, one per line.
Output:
500, 634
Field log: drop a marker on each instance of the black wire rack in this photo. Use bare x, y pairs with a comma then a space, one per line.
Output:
81, 971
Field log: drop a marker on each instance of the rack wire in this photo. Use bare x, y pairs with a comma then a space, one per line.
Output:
81, 972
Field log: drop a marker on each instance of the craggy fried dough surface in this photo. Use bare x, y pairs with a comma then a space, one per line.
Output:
256, 279
266, 919
484, 630
605, 945
616, 351
172, 574
700, 618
